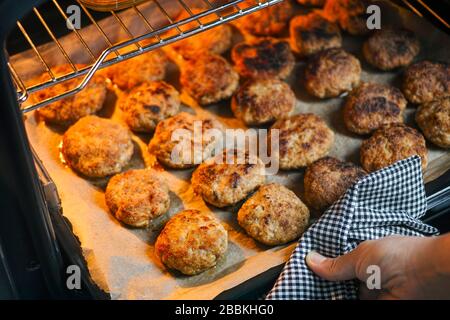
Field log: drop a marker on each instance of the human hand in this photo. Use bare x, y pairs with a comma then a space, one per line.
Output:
410, 267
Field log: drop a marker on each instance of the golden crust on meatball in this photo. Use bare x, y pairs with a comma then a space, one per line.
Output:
351, 15
217, 40
390, 144
228, 178
312, 33
148, 104
274, 215
426, 81
208, 78
327, 179
176, 144
136, 197
69, 110
269, 21
192, 242
371, 105
263, 58
388, 49
433, 119
303, 138
261, 101
97, 147
332, 72
128, 74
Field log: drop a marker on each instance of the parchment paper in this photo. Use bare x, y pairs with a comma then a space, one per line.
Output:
121, 260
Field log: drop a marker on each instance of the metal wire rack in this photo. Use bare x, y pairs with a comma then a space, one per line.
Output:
421, 7
198, 18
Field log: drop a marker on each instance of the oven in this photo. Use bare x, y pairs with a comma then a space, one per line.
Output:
37, 242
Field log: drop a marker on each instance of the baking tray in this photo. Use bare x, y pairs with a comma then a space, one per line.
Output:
121, 260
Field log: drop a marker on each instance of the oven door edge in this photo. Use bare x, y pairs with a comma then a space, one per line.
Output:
31, 258
69, 243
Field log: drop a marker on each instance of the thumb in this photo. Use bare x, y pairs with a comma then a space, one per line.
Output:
333, 269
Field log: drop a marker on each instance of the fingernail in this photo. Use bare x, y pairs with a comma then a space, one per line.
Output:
314, 258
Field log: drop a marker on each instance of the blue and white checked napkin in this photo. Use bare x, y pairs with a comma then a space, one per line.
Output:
387, 202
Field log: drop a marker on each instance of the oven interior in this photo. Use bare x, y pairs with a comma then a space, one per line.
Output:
37, 242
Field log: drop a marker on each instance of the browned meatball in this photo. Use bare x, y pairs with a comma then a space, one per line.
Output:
433, 119
179, 151
351, 15
136, 197
327, 179
192, 242
66, 112
312, 33
388, 49
390, 144
269, 21
217, 40
262, 101
97, 147
129, 74
223, 182
426, 81
148, 104
303, 138
274, 215
262, 58
208, 78
371, 105
332, 72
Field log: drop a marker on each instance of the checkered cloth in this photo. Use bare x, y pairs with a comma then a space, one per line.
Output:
387, 202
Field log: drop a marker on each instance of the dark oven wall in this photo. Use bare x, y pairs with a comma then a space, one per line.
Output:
30, 256
33, 255
36, 245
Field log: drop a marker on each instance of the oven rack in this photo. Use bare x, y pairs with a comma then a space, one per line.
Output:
427, 8
171, 31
